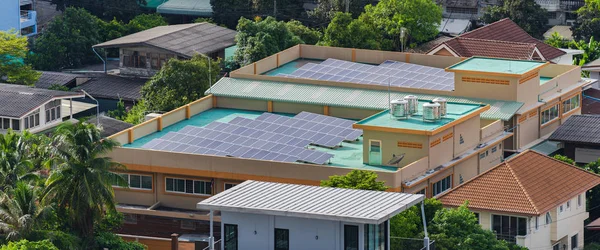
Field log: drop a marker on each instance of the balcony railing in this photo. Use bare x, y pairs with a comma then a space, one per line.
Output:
516, 239
27, 14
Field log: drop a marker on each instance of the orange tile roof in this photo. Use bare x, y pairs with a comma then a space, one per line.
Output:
529, 183
468, 47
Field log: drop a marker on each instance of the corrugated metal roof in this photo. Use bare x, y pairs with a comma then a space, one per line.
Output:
579, 129
340, 96
313, 202
186, 7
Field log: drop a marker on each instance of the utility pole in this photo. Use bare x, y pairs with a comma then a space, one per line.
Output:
275, 9
347, 6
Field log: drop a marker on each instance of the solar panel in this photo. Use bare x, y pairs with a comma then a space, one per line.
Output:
342, 127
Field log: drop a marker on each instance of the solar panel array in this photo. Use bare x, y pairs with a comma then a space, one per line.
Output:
389, 72
268, 137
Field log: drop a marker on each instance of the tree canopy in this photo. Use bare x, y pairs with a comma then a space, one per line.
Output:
13, 50
420, 17
179, 82
356, 179
587, 24
261, 38
106, 9
344, 31
529, 15
327, 9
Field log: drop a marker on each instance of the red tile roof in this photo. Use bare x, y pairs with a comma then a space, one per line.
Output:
508, 31
468, 47
528, 184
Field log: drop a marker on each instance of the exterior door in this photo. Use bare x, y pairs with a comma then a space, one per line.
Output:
374, 152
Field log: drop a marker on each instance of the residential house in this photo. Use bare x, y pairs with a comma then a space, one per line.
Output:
109, 89
580, 138
36, 110
531, 199
187, 8
336, 108
501, 39
305, 217
108, 125
594, 68
144, 53
20, 16
50, 78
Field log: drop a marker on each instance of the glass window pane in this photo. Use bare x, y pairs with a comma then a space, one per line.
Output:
53, 114
26, 122
180, 187
15, 124
37, 119
47, 115
231, 237
497, 223
169, 184
189, 186
58, 113
282, 239
5, 123
135, 181
350, 237
146, 182
522, 227
207, 188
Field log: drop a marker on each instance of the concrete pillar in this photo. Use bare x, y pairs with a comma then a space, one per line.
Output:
174, 241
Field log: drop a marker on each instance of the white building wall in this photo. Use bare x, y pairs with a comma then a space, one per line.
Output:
303, 232
570, 221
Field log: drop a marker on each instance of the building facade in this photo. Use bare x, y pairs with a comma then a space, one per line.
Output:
20, 16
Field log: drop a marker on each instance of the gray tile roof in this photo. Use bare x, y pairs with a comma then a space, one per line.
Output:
114, 87
183, 39
18, 100
49, 78
313, 202
110, 126
579, 129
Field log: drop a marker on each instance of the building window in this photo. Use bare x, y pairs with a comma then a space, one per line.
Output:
508, 227
477, 217
130, 218
550, 114
282, 239
568, 204
548, 218
574, 242
187, 186
561, 208
579, 201
136, 181
16, 124
571, 104
350, 237
188, 224
134, 59
375, 236
229, 185
5, 123
230, 237
442, 185
52, 109
537, 222
494, 149
32, 120
556, 247
422, 191
461, 10
482, 155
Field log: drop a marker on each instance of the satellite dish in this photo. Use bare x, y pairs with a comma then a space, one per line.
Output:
396, 159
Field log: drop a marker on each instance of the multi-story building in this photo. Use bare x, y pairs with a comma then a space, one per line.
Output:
308, 97
511, 200
20, 16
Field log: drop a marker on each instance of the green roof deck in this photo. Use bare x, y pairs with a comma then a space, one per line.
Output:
495, 65
342, 97
349, 155
454, 112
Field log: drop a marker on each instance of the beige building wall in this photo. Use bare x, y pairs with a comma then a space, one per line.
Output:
470, 132
295, 108
528, 130
477, 89
237, 103
465, 170
528, 91
440, 150
351, 113
390, 145
493, 157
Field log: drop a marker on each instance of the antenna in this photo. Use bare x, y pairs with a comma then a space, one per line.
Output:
389, 97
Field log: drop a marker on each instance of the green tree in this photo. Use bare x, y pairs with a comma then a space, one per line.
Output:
20, 212
29, 245
68, 41
136, 113
409, 223
588, 21
15, 160
356, 179
109, 240
327, 9
106, 9
420, 17
591, 51
13, 50
261, 38
179, 82
80, 183
306, 34
457, 228
564, 159
557, 41
58, 87
343, 31
228, 12
120, 112
529, 15
145, 21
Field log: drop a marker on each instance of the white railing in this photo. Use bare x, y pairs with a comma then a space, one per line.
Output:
215, 245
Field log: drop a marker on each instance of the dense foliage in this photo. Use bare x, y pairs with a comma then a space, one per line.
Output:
68, 40
344, 31
261, 38
179, 82
327, 9
529, 15
590, 48
30, 245
229, 12
13, 50
587, 24
106, 9
356, 179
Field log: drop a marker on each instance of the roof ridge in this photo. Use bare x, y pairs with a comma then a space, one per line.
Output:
522, 187
564, 163
468, 32
496, 41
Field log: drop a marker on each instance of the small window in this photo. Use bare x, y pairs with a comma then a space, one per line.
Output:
574, 243
5, 123
282, 239
579, 201
230, 237
477, 217
494, 149
548, 218
537, 222
229, 185
375, 146
188, 224
568, 204
561, 208
422, 191
482, 155
442, 185
16, 124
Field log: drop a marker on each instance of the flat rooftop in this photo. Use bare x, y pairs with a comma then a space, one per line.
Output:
454, 112
349, 155
495, 65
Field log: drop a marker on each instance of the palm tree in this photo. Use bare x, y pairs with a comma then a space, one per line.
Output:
80, 183
20, 214
15, 163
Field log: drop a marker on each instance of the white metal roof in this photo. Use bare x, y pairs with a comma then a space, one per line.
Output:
313, 202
